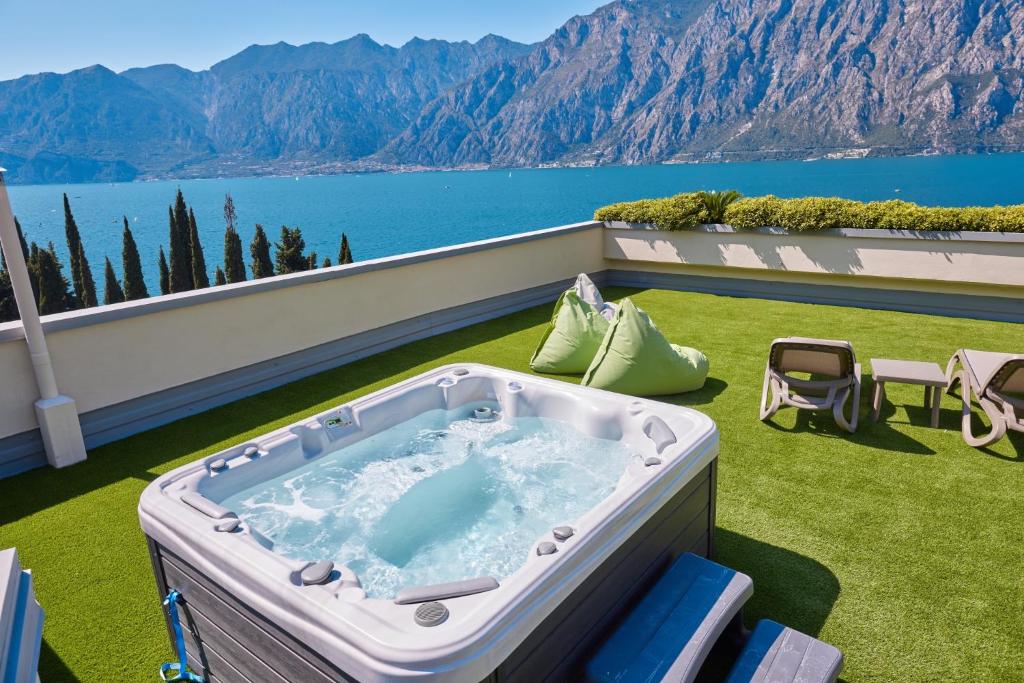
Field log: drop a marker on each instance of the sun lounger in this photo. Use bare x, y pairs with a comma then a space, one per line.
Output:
996, 380
833, 377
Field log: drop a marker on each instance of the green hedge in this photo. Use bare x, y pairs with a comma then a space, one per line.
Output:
672, 213
816, 213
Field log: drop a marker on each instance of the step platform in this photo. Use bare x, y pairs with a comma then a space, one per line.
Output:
21, 622
670, 632
777, 654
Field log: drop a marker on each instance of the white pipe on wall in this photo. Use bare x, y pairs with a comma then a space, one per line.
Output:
23, 294
57, 415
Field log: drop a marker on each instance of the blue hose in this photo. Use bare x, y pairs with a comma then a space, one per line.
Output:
177, 671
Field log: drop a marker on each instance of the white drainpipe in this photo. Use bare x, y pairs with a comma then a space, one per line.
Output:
57, 415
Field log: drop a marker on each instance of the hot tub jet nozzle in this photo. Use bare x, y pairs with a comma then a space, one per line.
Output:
484, 414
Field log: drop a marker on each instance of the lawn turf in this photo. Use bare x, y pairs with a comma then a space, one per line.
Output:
900, 545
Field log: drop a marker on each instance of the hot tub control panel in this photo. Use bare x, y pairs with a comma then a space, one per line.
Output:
339, 421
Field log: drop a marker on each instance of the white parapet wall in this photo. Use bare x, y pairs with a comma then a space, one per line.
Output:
136, 365
954, 263
112, 356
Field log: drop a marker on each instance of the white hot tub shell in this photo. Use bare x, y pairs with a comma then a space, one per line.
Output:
249, 614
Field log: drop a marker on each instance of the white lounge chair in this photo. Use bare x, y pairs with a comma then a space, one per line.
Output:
818, 358
997, 381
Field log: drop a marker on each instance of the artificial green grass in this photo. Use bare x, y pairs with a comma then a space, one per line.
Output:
900, 544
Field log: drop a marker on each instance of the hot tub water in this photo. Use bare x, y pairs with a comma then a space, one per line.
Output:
438, 498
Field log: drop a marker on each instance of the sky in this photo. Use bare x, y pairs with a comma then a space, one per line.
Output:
47, 35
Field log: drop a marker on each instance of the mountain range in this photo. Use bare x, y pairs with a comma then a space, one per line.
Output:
636, 81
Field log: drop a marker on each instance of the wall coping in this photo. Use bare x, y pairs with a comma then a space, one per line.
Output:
12, 331
930, 235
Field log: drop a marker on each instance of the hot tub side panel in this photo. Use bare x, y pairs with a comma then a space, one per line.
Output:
557, 649
229, 642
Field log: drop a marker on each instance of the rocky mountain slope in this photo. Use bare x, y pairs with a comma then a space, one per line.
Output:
643, 81
637, 81
274, 104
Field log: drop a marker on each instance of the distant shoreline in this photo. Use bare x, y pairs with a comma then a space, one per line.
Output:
328, 169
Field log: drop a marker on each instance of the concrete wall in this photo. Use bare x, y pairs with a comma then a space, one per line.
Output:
109, 355
978, 264
136, 365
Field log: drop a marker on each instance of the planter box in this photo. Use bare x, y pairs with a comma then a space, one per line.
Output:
967, 260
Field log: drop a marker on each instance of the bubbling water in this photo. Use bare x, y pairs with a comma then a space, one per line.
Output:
438, 498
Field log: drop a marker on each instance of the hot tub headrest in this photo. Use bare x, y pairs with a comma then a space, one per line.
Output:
206, 506
659, 432
456, 589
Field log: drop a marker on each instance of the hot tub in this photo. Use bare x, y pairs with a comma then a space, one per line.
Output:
468, 524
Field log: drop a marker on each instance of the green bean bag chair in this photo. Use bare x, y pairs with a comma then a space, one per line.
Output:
635, 358
572, 337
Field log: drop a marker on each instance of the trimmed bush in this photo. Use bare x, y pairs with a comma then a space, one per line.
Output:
672, 213
819, 213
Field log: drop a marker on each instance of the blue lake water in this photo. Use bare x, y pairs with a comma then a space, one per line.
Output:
386, 214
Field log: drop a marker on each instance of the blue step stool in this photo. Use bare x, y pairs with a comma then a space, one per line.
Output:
21, 622
777, 654
669, 633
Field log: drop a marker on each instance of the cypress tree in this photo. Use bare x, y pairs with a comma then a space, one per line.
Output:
8, 307
53, 287
74, 239
259, 250
88, 296
184, 234
229, 212
311, 262
181, 248
81, 275
112, 292
327, 262
289, 257
63, 285
218, 277
172, 238
165, 274
21, 240
134, 282
31, 264
234, 265
345, 253
200, 278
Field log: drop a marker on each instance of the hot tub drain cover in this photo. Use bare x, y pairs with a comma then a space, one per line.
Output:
431, 614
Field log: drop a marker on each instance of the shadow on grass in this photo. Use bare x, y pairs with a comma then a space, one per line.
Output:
53, 668
952, 419
789, 588
878, 435
142, 455
702, 397
1016, 439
